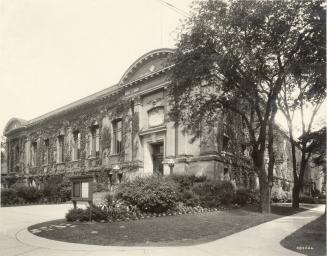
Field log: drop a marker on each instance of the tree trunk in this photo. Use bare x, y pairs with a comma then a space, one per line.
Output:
265, 195
296, 195
258, 158
296, 187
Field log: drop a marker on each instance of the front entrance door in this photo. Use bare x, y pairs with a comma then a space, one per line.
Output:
157, 158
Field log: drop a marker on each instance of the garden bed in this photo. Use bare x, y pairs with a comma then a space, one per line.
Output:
186, 229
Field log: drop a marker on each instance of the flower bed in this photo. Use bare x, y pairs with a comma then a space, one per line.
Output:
99, 214
156, 197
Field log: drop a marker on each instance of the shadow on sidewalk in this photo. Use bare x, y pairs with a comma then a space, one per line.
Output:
309, 240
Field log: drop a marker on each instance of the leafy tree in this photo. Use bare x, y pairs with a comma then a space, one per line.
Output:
235, 56
317, 148
304, 90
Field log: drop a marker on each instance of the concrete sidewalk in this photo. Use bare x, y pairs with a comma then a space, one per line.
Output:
263, 239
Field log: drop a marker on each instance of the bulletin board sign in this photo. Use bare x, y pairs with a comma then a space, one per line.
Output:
82, 188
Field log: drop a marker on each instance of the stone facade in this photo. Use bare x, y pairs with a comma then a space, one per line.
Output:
124, 131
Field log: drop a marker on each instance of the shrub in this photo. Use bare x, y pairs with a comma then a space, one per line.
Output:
242, 196
278, 195
150, 194
121, 212
213, 193
97, 213
77, 214
57, 189
245, 196
9, 196
186, 182
65, 192
189, 198
254, 196
307, 199
28, 194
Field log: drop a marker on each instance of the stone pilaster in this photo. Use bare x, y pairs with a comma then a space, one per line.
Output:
137, 123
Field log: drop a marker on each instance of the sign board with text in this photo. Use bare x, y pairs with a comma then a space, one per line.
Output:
82, 188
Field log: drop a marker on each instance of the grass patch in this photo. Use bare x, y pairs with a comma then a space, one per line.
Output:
163, 231
310, 239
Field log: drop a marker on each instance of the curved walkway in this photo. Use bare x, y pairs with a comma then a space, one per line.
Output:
263, 239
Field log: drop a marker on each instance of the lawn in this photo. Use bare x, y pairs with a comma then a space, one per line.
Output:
161, 231
310, 239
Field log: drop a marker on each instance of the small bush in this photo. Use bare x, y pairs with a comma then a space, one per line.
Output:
150, 194
213, 193
245, 196
307, 199
97, 213
57, 189
77, 214
9, 196
278, 195
242, 196
28, 194
189, 198
186, 182
121, 212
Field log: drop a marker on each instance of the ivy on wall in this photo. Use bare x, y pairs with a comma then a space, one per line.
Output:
105, 138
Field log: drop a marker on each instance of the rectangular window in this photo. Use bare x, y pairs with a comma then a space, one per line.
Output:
95, 141
33, 153
46, 152
60, 149
76, 146
117, 137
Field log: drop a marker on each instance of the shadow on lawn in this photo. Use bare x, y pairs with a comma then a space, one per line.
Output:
280, 209
178, 230
309, 240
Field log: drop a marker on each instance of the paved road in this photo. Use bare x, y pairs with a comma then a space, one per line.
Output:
260, 240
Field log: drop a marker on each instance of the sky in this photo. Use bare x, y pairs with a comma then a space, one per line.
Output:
53, 52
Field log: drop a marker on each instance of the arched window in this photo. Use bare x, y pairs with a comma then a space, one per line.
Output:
156, 116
